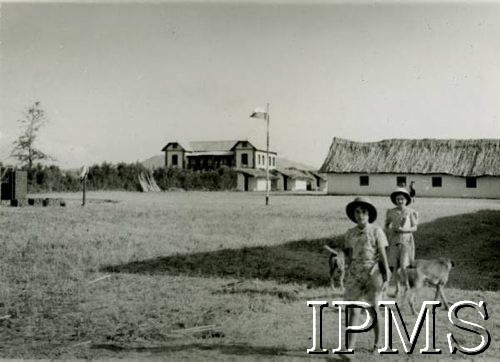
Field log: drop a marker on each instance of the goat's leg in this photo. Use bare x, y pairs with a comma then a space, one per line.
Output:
411, 300
342, 273
332, 272
404, 276
440, 291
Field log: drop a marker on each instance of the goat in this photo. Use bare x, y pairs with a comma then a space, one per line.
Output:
435, 272
336, 262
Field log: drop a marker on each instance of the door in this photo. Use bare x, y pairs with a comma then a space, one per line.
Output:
246, 182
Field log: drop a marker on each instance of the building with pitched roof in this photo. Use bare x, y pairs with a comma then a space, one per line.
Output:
209, 155
437, 167
249, 161
293, 179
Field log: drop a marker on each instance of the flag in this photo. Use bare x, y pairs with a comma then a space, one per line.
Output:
84, 172
259, 113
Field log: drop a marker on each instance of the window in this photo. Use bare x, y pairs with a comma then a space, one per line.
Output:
401, 181
471, 182
174, 145
243, 144
274, 161
364, 180
244, 159
174, 160
437, 181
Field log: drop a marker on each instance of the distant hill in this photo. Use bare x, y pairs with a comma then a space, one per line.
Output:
154, 162
284, 163
159, 161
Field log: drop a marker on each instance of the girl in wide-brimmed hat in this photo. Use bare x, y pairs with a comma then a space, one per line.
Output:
401, 222
368, 273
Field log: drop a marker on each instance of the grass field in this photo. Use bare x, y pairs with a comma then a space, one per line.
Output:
174, 261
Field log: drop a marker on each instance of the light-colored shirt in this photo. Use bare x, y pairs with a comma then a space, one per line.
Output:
365, 244
396, 218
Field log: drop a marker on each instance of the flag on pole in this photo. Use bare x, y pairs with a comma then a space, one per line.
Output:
259, 113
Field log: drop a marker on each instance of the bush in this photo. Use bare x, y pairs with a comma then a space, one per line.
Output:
214, 180
124, 176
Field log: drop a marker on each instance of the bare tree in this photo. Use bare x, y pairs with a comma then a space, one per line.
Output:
25, 149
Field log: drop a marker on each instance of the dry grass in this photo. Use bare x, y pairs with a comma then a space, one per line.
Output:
176, 247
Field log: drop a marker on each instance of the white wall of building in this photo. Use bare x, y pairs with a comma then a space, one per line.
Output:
384, 184
254, 184
323, 184
240, 182
250, 154
258, 184
297, 185
180, 158
261, 160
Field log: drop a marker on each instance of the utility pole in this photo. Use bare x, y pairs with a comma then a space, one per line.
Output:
268, 160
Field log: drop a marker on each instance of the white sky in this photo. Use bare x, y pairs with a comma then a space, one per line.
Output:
120, 80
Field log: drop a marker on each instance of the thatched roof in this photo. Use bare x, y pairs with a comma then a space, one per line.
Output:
479, 157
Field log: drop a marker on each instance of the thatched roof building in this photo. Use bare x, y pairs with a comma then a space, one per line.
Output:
415, 156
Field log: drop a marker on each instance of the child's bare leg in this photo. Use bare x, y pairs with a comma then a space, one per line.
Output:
353, 321
404, 276
377, 328
405, 263
396, 277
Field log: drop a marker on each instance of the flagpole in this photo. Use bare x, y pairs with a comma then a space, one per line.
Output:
267, 151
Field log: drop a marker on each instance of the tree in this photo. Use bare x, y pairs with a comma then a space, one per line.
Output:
25, 149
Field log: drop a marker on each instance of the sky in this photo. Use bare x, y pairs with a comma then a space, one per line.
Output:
120, 80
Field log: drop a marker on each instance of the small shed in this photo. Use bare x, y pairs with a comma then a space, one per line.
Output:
293, 179
251, 179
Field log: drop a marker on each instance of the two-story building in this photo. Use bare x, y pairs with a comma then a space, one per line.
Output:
209, 155
242, 155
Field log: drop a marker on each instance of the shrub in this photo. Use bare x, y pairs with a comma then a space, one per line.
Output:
213, 180
124, 176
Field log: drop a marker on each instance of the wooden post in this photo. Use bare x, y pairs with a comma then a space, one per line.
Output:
83, 178
267, 152
84, 181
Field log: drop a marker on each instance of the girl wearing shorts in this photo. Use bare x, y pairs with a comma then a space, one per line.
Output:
368, 273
